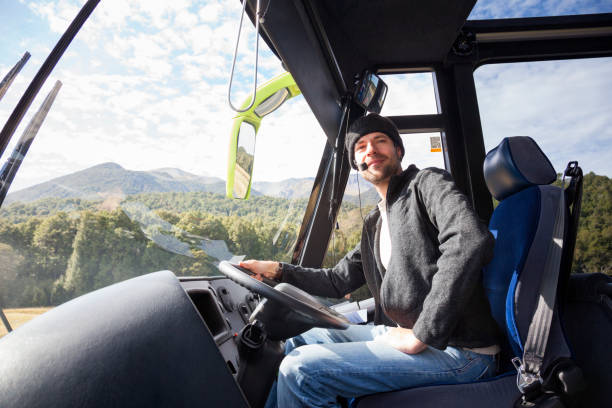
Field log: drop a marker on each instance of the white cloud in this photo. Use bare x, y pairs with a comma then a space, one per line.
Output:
210, 12
156, 69
172, 40
185, 19
200, 38
485, 9
116, 48
145, 85
147, 46
58, 14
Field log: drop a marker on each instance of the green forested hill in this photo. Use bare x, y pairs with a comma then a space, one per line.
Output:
593, 251
257, 207
54, 249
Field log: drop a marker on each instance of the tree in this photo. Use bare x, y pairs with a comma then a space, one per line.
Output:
594, 241
52, 246
243, 237
168, 216
203, 225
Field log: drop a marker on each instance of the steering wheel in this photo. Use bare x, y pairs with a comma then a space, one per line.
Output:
309, 309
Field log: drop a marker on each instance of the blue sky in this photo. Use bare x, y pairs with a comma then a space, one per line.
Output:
145, 86
486, 9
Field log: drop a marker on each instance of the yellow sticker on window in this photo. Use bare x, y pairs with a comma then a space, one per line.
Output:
436, 144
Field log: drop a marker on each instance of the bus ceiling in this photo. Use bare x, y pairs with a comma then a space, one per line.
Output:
324, 44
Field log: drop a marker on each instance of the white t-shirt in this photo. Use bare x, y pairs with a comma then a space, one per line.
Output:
385, 235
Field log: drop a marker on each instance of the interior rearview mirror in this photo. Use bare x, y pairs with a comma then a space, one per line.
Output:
370, 92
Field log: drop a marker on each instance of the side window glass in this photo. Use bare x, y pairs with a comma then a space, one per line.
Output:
423, 150
409, 94
565, 107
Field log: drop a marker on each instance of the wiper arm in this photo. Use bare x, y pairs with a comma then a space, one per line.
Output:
43, 73
7, 174
8, 79
4, 319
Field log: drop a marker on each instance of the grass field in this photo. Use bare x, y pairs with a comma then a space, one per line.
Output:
17, 317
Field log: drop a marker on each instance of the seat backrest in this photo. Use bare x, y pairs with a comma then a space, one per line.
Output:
518, 173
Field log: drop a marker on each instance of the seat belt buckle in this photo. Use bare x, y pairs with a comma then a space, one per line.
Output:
527, 383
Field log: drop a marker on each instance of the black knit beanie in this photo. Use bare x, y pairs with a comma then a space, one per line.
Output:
369, 124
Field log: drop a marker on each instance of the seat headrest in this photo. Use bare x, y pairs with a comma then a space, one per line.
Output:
515, 164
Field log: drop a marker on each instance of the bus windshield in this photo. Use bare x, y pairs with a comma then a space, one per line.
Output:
127, 173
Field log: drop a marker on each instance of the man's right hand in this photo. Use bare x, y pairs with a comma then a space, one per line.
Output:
263, 269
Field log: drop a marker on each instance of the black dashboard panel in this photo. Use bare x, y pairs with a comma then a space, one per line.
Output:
225, 307
137, 343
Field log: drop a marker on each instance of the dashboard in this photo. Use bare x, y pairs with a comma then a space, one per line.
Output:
225, 308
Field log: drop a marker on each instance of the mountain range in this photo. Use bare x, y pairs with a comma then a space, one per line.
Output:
111, 180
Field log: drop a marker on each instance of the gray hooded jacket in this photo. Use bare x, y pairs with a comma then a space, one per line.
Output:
433, 283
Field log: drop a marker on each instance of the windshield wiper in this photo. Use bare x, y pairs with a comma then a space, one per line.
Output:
8, 79
7, 174
43, 73
4, 319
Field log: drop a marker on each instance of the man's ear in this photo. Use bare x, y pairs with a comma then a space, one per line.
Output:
399, 152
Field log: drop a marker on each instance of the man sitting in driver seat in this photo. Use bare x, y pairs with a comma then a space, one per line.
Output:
421, 254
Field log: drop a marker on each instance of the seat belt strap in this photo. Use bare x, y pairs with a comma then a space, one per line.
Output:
529, 370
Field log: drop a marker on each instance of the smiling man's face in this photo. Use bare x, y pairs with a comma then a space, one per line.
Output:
380, 154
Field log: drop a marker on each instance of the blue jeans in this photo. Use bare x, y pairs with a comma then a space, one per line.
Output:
322, 364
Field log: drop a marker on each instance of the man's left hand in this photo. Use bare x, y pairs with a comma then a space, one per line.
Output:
403, 340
